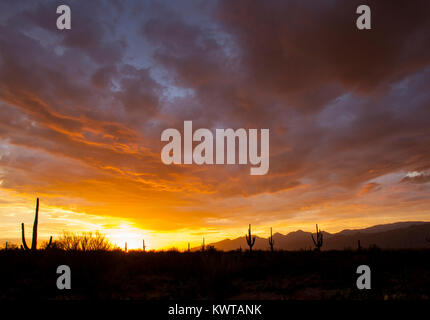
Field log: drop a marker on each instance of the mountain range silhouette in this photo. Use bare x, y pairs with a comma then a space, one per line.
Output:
399, 235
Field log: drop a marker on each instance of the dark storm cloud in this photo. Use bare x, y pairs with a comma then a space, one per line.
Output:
294, 47
345, 105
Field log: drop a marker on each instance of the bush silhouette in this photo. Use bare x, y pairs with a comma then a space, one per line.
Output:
86, 241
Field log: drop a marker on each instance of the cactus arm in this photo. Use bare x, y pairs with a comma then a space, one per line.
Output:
271, 237
250, 240
49, 243
34, 239
24, 244
271, 241
318, 240
36, 220
315, 243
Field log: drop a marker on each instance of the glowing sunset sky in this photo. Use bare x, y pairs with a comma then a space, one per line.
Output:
82, 111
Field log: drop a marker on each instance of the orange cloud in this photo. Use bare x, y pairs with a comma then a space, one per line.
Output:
370, 187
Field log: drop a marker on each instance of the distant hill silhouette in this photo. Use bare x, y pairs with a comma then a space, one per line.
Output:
399, 235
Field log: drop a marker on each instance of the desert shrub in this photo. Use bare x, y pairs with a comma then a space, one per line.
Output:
210, 249
86, 241
10, 246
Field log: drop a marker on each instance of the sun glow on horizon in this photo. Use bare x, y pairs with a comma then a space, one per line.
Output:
53, 220
126, 233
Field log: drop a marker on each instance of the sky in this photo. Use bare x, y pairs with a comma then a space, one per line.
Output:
82, 111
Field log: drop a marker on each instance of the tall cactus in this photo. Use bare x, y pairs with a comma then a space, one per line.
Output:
271, 241
319, 239
34, 239
189, 250
125, 248
143, 245
249, 239
203, 245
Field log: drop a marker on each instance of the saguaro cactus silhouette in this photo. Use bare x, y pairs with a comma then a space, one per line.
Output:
143, 245
271, 241
189, 250
319, 239
203, 244
125, 248
34, 239
249, 239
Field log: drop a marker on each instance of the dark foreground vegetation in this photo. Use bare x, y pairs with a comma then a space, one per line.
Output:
101, 271
214, 275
